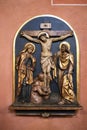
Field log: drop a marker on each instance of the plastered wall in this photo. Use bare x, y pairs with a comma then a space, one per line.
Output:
13, 13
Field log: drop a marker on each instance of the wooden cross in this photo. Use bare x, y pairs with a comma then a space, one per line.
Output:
46, 48
46, 27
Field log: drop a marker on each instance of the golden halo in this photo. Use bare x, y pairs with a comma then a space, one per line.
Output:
65, 43
30, 45
42, 33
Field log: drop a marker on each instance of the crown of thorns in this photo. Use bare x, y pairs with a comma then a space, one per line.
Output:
43, 33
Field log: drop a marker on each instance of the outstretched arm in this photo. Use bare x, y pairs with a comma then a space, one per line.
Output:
61, 37
29, 37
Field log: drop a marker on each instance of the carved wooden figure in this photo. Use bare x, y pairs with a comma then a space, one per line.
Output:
46, 68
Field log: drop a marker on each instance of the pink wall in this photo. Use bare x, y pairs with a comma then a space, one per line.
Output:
69, 1
13, 13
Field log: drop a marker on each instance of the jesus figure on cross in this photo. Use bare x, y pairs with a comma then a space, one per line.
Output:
46, 41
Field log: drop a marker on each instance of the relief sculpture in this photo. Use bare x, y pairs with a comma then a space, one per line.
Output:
25, 64
64, 60
46, 67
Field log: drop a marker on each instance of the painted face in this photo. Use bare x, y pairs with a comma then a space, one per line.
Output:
41, 77
63, 48
43, 38
30, 50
